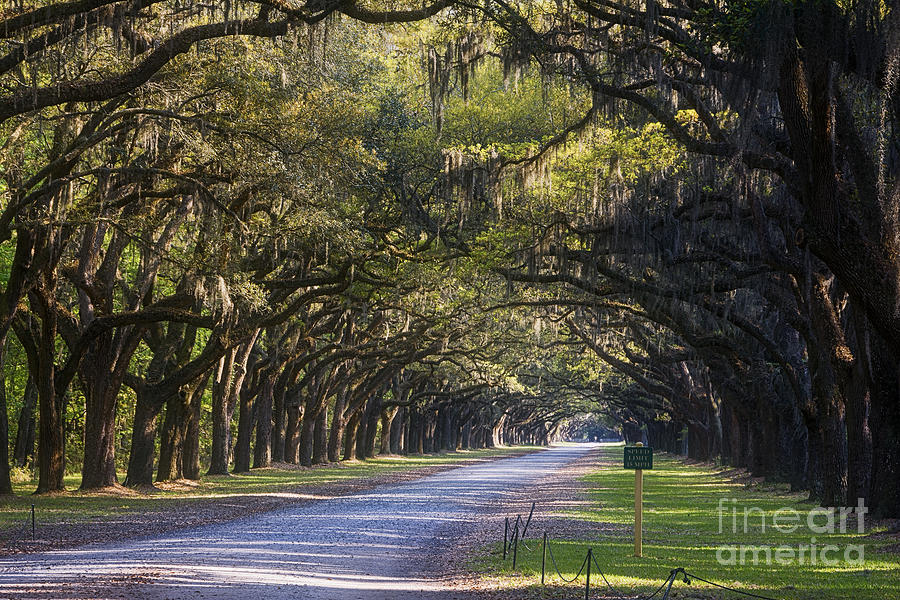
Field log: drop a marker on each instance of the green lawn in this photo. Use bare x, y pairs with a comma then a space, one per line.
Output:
682, 529
78, 507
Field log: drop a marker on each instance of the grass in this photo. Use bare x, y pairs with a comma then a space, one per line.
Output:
682, 529
74, 507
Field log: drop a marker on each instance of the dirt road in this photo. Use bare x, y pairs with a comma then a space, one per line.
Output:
371, 545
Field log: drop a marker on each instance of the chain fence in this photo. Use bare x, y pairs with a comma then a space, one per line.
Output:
513, 536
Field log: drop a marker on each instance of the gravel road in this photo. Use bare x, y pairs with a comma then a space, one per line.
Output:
371, 545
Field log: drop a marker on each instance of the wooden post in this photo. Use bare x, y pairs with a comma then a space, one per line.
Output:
638, 509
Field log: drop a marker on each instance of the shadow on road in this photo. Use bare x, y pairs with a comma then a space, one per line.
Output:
365, 546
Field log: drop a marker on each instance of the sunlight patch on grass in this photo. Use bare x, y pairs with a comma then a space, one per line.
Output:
280, 481
692, 512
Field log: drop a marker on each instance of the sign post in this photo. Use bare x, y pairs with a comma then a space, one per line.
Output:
638, 512
638, 457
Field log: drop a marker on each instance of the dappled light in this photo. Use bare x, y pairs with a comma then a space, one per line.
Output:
263, 255
684, 527
372, 542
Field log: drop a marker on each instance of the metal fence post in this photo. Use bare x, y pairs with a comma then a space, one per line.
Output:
505, 534
32, 523
587, 579
543, 558
515, 545
528, 522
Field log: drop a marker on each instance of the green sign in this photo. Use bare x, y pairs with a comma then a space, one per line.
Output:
638, 457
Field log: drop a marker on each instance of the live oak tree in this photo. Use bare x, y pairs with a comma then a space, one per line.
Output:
290, 231
797, 101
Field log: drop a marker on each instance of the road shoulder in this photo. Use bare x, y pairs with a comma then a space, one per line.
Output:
557, 499
164, 514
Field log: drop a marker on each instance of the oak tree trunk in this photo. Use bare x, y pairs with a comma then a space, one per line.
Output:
336, 435
5, 482
292, 435
25, 430
262, 451
320, 438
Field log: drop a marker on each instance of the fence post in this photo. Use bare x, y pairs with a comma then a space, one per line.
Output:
543, 558
505, 533
515, 545
638, 510
528, 522
671, 581
587, 578
32, 523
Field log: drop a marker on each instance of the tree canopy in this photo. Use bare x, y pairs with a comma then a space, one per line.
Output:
241, 232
